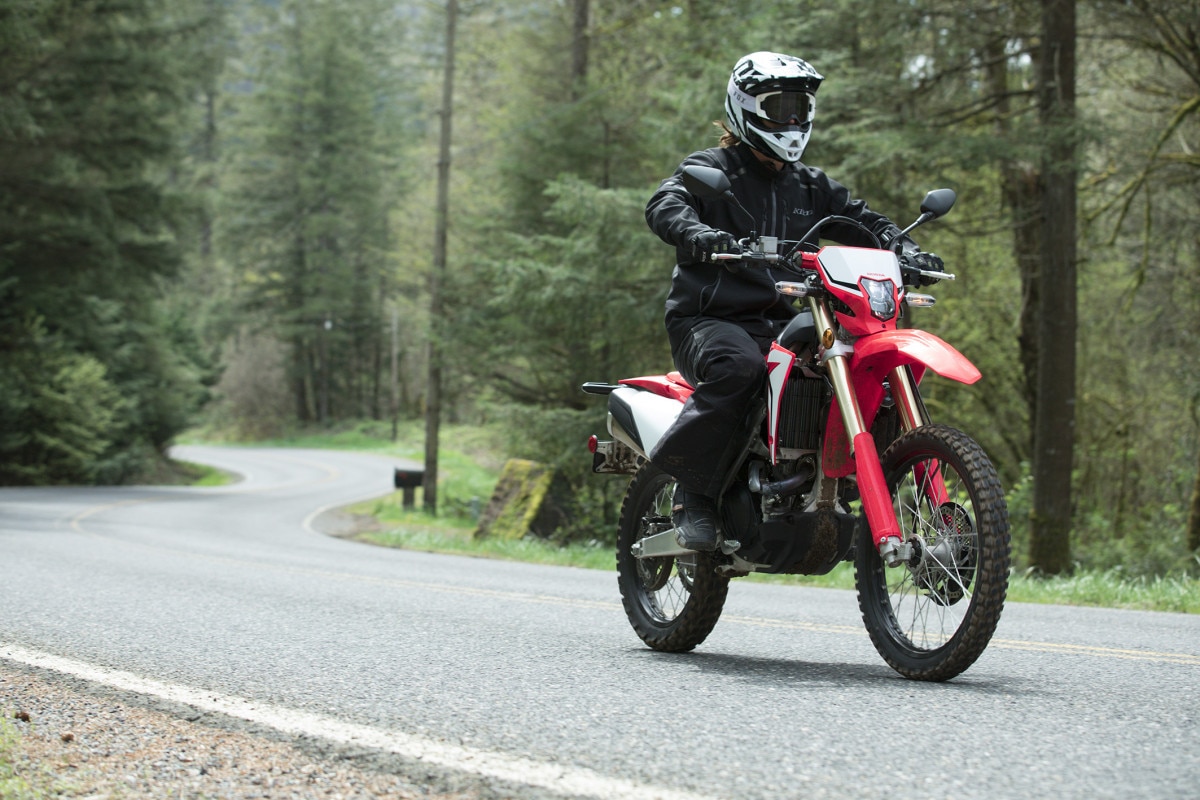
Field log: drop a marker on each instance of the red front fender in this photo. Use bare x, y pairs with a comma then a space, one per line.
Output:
874, 357
888, 349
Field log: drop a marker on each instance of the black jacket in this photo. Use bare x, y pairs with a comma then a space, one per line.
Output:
785, 204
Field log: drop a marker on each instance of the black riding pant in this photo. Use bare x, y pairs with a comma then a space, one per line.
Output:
726, 366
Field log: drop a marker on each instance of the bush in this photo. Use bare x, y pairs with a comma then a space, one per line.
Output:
252, 398
59, 416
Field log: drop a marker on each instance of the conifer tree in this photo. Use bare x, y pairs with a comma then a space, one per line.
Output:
93, 385
304, 219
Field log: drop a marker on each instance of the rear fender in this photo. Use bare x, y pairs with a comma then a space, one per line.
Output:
639, 418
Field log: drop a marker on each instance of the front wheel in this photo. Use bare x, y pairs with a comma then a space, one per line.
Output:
932, 617
672, 603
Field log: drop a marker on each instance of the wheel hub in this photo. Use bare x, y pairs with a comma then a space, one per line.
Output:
944, 568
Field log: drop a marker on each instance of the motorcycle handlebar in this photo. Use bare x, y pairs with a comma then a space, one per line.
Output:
941, 276
774, 258
746, 256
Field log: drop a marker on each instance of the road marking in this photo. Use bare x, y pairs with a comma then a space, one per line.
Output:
1183, 659
562, 779
82, 515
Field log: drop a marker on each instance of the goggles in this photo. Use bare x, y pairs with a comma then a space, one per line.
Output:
796, 108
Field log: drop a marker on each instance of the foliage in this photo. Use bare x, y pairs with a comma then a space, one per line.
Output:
203, 185
556, 310
51, 437
305, 227
97, 379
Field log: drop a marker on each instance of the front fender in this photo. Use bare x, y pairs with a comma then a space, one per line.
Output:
875, 356
889, 349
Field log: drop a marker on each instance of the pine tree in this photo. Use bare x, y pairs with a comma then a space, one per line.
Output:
305, 225
88, 121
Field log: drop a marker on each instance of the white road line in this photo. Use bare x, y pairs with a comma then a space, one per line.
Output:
566, 780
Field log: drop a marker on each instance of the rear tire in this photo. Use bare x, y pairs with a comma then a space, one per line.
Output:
672, 603
932, 618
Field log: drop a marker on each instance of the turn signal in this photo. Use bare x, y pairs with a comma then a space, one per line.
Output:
593, 443
919, 300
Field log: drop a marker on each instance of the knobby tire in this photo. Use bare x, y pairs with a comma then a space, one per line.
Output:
931, 620
673, 605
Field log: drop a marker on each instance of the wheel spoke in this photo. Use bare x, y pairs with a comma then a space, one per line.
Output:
931, 617
671, 603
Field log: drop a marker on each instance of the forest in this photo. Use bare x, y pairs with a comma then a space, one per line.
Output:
229, 210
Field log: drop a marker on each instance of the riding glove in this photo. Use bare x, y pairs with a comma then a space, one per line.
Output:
713, 241
913, 262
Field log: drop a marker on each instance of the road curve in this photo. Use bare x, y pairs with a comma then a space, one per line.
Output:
529, 678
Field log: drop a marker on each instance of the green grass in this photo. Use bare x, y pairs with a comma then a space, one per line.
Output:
1110, 589
204, 475
468, 464
414, 530
14, 783
479, 444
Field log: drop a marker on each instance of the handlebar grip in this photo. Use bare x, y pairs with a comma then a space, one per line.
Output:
941, 276
763, 258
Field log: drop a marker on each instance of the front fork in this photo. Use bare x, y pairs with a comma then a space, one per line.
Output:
876, 499
912, 412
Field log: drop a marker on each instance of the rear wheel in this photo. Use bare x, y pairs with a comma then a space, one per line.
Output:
931, 618
672, 602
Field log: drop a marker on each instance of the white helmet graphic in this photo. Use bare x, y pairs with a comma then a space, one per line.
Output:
770, 103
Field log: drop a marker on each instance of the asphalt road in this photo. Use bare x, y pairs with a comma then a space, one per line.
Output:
231, 594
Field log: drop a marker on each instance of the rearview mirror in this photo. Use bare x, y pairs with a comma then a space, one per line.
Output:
938, 202
708, 181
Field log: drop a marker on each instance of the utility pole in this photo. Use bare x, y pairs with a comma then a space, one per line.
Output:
433, 402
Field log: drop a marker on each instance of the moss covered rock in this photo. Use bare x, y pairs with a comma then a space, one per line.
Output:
529, 499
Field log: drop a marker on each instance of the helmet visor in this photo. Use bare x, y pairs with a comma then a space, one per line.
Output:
786, 108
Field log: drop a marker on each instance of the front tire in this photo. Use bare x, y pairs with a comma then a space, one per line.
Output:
673, 603
931, 618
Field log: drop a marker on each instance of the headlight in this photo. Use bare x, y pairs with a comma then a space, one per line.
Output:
882, 297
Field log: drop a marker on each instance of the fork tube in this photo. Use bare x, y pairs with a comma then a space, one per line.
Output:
872, 487
904, 395
912, 415
835, 359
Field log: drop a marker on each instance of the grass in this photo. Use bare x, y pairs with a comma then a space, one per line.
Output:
414, 530
204, 475
14, 783
469, 467
1110, 589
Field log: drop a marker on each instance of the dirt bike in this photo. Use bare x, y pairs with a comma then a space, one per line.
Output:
925, 524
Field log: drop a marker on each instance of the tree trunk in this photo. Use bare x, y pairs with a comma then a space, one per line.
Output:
1193, 536
433, 403
1054, 422
579, 48
1022, 191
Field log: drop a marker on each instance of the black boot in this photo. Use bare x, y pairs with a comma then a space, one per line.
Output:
695, 519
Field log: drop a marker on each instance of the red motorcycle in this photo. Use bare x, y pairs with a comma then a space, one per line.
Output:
925, 524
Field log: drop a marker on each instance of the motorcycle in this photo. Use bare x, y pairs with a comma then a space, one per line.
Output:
925, 523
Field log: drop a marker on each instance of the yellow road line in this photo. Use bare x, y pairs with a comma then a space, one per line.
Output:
1183, 659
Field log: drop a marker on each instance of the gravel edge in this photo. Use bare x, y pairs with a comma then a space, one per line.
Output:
64, 737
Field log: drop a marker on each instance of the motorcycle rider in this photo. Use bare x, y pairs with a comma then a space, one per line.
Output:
722, 317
